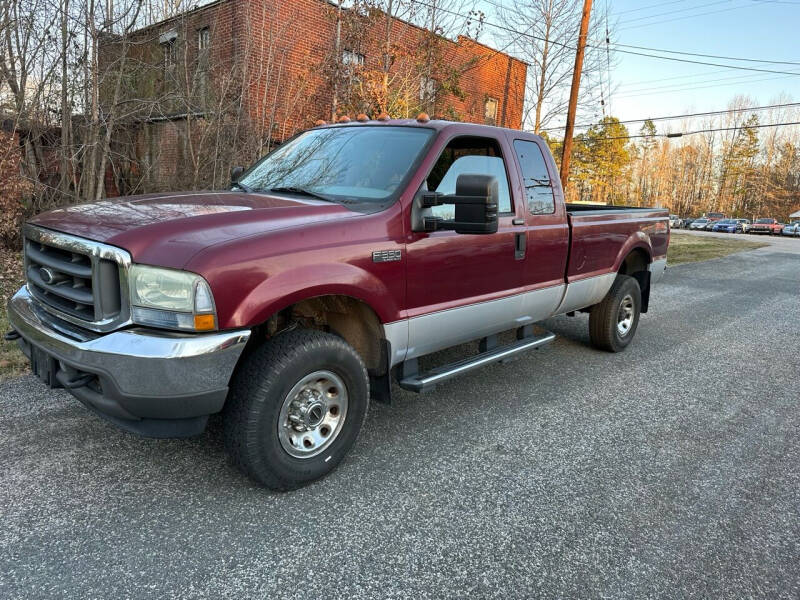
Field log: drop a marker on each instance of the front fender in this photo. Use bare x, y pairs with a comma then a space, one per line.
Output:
293, 285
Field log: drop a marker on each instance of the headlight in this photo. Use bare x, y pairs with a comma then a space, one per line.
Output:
170, 299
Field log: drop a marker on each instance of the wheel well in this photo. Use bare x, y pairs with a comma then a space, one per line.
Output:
351, 319
635, 265
636, 261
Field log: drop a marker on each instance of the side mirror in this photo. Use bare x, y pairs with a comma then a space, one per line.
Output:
475, 203
236, 172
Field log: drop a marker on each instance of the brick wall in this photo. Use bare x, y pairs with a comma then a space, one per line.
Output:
266, 59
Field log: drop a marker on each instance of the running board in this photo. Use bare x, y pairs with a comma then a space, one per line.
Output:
425, 381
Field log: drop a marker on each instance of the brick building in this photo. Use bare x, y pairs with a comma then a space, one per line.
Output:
243, 75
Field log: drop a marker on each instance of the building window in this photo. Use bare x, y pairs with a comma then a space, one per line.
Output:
351, 58
203, 38
490, 111
427, 90
168, 49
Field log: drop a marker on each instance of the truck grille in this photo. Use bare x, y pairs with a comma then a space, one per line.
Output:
82, 281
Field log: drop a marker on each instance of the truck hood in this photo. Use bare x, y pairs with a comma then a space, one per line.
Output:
168, 229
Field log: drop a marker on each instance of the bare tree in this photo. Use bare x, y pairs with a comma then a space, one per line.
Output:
548, 35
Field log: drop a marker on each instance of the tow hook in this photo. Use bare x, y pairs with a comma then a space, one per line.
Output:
12, 335
78, 382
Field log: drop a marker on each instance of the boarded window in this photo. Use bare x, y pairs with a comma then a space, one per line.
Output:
490, 111
352, 58
168, 50
203, 38
427, 90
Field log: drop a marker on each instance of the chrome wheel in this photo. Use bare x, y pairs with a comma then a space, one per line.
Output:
625, 316
312, 414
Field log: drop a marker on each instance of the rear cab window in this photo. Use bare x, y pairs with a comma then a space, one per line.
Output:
536, 179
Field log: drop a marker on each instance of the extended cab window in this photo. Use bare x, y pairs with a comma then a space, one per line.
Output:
538, 187
473, 155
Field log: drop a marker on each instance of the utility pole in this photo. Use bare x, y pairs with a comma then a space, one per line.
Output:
573, 94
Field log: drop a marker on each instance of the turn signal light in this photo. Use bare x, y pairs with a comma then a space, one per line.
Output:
319, 122
383, 116
423, 117
204, 322
362, 118
344, 119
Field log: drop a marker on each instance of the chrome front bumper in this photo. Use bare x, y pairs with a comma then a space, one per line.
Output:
156, 383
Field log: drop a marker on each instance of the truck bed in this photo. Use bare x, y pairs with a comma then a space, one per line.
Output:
600, 235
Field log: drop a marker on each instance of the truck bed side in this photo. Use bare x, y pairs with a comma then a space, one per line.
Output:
601, 237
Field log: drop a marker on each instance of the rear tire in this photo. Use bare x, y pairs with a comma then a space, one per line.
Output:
295, 408
613, 322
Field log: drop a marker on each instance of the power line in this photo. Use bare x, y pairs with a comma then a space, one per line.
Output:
570, 47
690, 115
672, 12
648, 48
684, 134
700, 87
656, 5
633, 89
709, 64
710, 12
755, 60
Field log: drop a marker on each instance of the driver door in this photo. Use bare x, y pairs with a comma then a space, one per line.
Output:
463, 286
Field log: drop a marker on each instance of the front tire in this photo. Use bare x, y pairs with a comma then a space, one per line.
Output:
295, 408
613, 322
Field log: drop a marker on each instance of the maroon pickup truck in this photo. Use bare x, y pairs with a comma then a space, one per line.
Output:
325, 272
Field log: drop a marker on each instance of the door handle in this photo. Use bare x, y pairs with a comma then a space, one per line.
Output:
518, 222
520, 243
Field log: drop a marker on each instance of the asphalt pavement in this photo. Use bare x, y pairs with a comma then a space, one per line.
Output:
670, 470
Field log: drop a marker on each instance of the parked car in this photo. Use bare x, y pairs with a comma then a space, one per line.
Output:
710, 225
716, 216
792, 229
674, 221
329, 267
771, 226
727, 226
745, 224
699, 223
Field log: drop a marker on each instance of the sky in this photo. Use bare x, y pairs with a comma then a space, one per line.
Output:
647, 87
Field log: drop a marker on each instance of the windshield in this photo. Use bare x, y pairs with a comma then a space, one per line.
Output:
764, 221
725, 222
701, 221
342, 164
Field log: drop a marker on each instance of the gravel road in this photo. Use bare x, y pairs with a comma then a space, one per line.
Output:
670, 470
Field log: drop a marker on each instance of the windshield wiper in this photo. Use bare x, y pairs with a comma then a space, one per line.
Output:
301, 191
243, 187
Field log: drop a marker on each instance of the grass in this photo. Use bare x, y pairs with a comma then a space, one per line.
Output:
684, 247
12, 361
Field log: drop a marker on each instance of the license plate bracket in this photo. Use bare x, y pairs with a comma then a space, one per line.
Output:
44, 366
